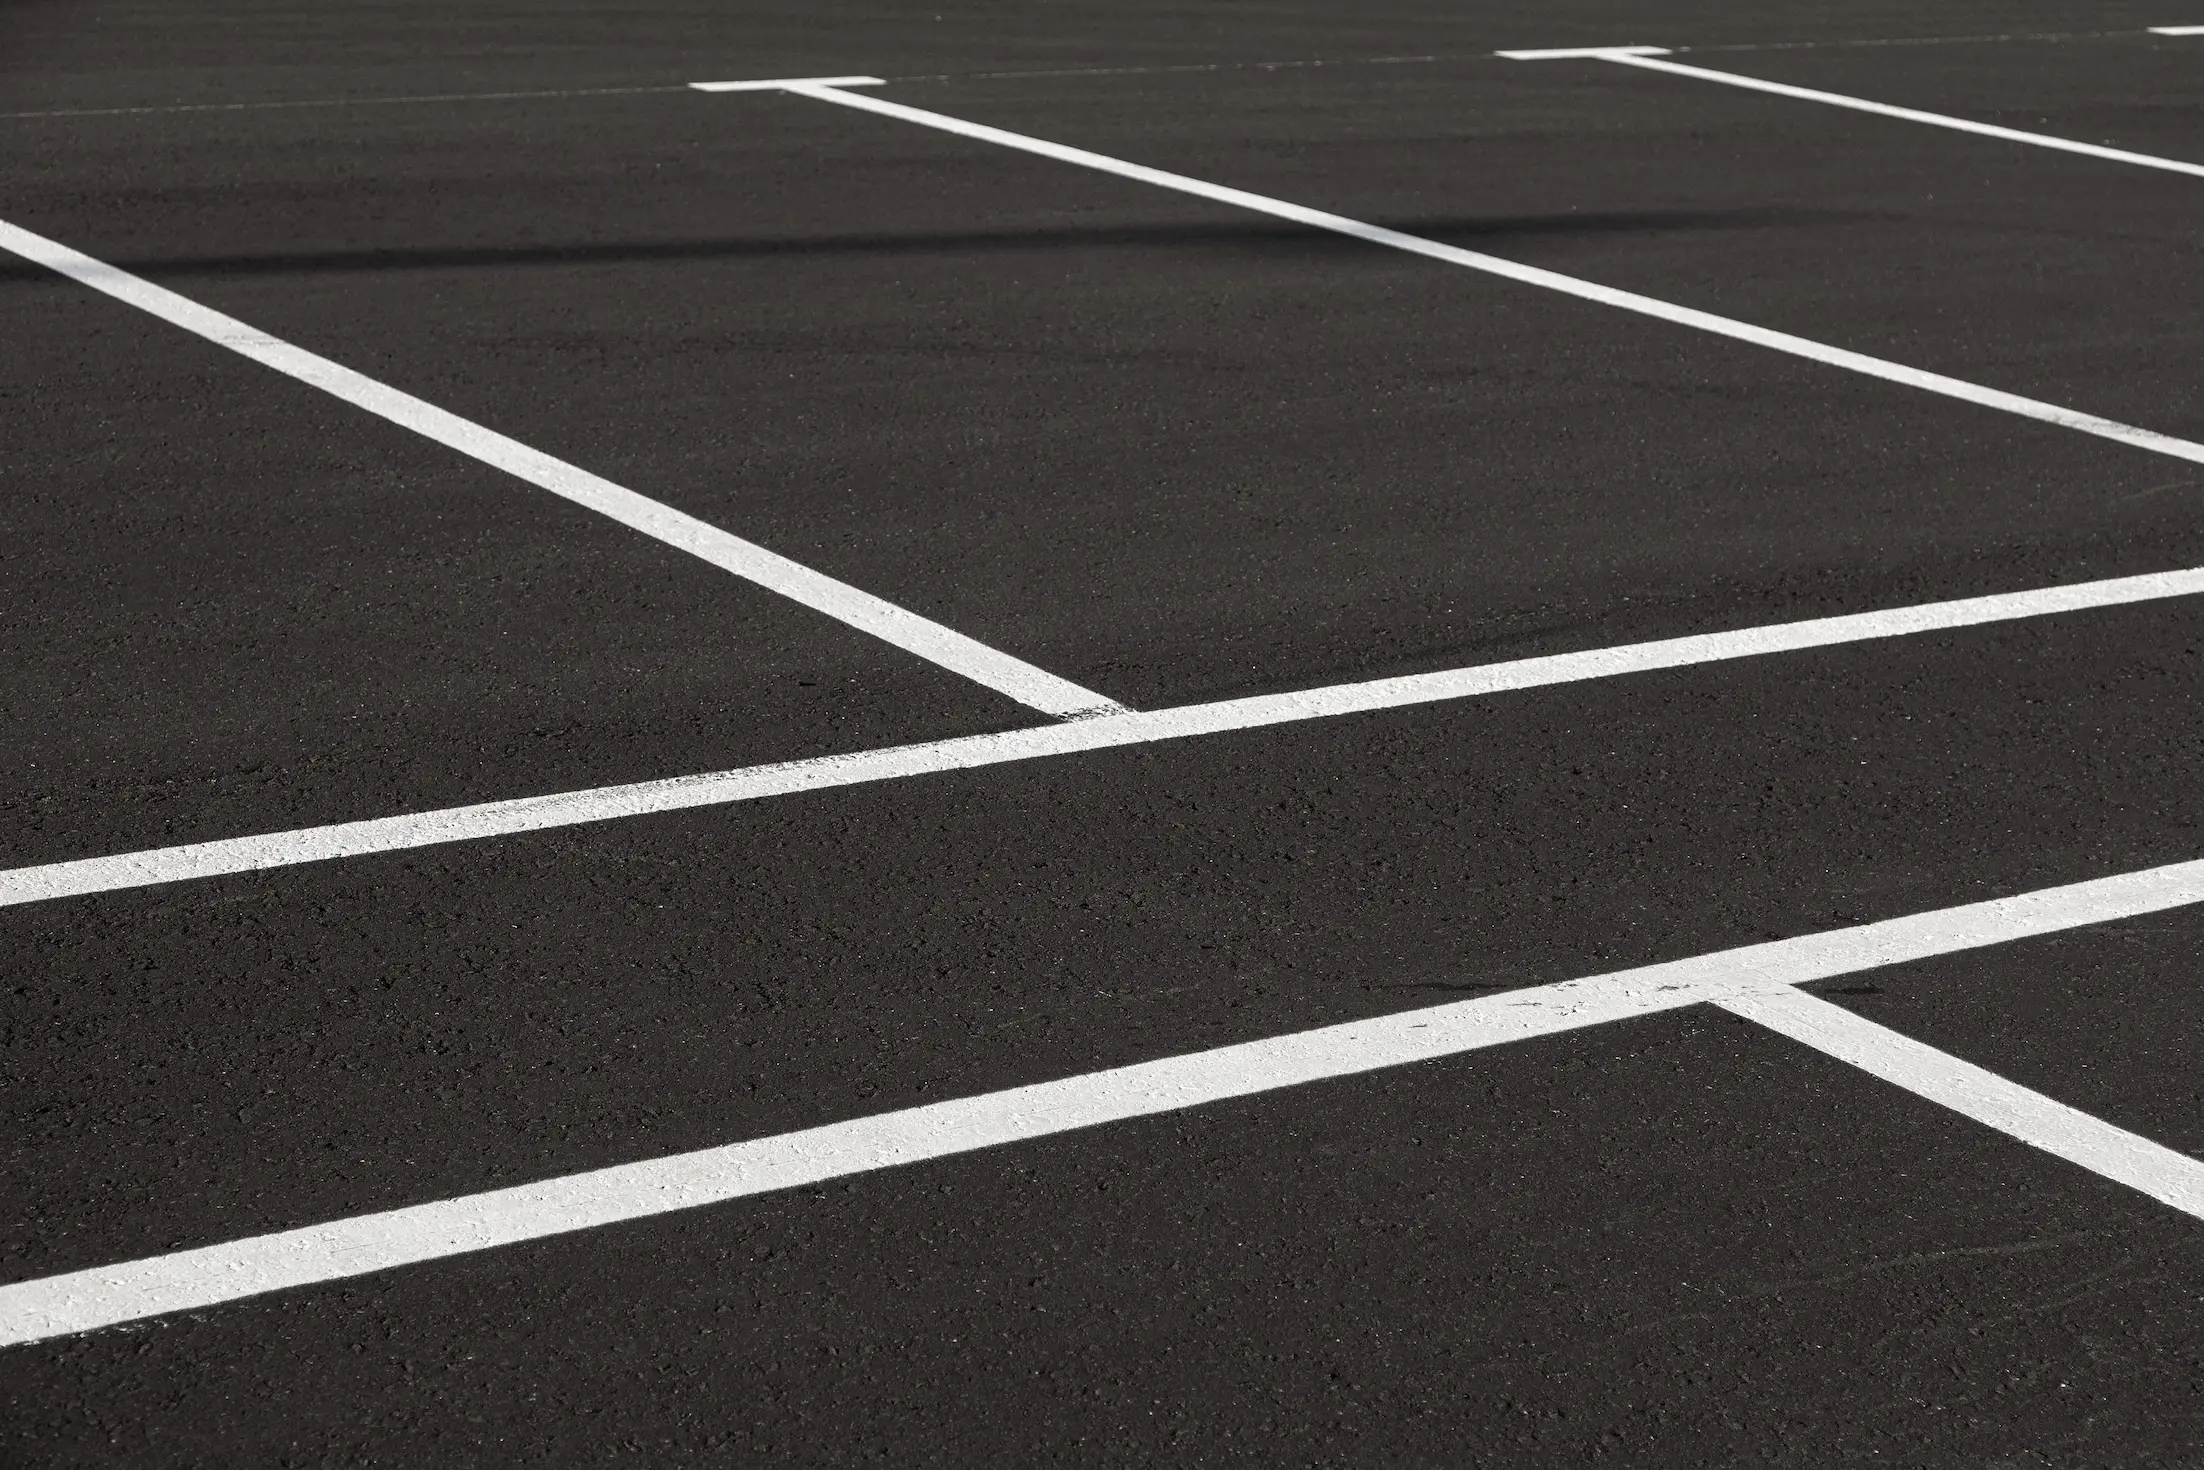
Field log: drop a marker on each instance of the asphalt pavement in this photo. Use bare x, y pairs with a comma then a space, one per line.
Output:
1178, 452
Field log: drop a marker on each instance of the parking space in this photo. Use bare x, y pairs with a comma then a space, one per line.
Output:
2043, 87
1169, 450
1998, 263
359, 1035
234, 603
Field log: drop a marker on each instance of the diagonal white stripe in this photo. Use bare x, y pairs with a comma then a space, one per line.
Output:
1648, 59
2165, 1175
1704, 321
930, 640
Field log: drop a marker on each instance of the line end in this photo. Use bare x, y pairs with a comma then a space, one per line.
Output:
1584, 53
779, 84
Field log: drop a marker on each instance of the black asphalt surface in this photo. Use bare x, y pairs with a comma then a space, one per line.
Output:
1176, 453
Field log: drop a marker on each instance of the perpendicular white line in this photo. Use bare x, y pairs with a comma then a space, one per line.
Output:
1705, 321
781, 83
1648, 59
1021, 681
101, 1296
2165, 1175
535, 813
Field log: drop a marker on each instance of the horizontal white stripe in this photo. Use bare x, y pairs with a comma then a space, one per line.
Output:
607, 803
2176, 30
1583, 53
1646, 60
785, 82
79, 1301
1704, 321
908, 631
2125, 1158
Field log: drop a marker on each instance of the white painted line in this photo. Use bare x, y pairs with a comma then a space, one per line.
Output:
2176, 30
2125, 1158
609, 803
1855, 42
884, 620
1705, 321
102, 1296
785, 82
1583, 53
1645, 58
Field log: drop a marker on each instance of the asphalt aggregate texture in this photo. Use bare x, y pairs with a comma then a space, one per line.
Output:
1174, 452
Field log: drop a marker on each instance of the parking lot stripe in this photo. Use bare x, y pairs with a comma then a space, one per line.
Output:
2176, 30
784, 83
101, 1296
571, 808
2125, 1158
1704, 321
1021, 681
1647, 58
